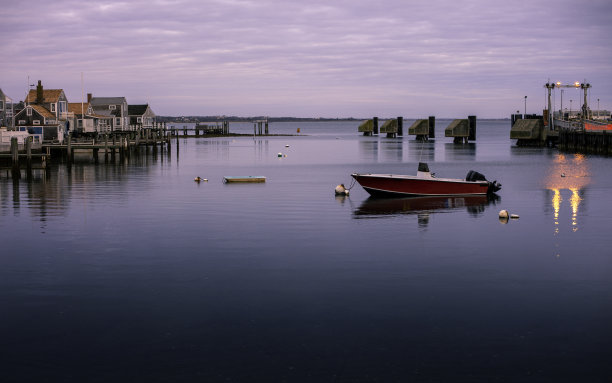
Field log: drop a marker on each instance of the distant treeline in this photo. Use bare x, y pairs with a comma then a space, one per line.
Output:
194, 119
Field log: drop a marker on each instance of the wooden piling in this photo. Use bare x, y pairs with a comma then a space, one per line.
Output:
15, 172
29, 151
400, 126
374, 125
472, 128
69, 148
431, 124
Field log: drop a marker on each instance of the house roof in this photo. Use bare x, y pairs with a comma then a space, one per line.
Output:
77, 107
107, 101
137, 110
44, 112
49, 95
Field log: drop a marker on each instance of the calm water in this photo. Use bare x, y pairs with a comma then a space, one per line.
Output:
133, 272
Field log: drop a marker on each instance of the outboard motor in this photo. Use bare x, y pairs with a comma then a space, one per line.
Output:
475, 176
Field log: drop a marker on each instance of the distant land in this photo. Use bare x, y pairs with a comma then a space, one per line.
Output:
195, 119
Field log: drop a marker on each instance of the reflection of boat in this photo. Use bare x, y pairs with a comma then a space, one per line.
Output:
424, 183
475, 204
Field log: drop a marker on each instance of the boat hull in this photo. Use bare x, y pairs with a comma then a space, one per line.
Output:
401, 185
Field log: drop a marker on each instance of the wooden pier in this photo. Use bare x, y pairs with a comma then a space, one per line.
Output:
110, 144
201, 130
584, 141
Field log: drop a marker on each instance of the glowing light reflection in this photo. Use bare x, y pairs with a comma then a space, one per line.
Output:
568, 172
575, 202
556, 202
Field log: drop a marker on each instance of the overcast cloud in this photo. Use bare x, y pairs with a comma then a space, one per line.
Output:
311, 58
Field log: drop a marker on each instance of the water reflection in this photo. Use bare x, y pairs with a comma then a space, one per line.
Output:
459, 152
423, 206
49, 192
569, 173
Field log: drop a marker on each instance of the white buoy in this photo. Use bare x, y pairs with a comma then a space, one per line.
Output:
279, 154
514, 216
341, 190
286, 146
503, 214
562, 174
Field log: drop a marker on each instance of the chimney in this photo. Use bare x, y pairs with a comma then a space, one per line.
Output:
39, 93
88, 98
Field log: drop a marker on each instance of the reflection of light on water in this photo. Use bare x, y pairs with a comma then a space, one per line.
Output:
575, 201
556, 202
567, 173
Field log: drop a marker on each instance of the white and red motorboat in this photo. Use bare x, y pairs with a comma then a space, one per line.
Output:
425, 184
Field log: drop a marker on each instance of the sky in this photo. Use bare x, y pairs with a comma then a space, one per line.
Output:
315, 58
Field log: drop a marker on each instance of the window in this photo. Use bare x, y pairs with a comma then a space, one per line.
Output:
62, 106
36, 122
117, 121
53, 108
21, 122
29, 110
112, 107
139, 120
1, 105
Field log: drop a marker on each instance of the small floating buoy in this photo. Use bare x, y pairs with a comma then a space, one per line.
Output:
514, 216
197, 179
286, 146
503, 214
562, 174
341, 190
279, 155
298, 130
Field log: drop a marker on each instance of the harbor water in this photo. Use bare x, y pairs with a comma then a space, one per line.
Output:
131, 271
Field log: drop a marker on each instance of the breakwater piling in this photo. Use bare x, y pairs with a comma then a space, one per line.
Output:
423, 129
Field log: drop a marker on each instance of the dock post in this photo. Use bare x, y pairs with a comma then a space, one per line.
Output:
106, 147
400, 126
375, 125
254, 128
113, 148
29, 151
266, 127
472, 128
432, 126
16, 173
69, 148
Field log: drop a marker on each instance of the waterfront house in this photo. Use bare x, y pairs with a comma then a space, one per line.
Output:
115, 109
86, 121
141, 116
45, 115
6, 110
40, 123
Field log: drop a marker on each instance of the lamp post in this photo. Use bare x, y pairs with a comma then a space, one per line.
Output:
525, 107
562, 104
598, 109
570, 113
